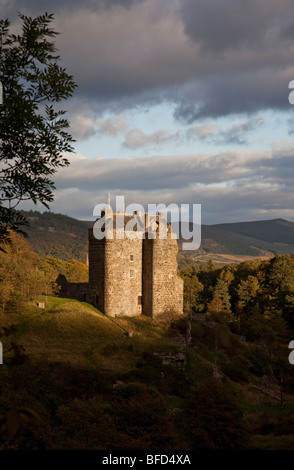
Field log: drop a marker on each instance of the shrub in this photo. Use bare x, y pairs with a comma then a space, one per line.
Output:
259, 360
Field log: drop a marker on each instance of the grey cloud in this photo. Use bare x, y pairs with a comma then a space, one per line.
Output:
235, 94
218, 204
291, 125
84, 125
235, 23
253, 202
125, 58
202, 131
161, 173
243, 185
113, 125
37, 7
136, 138
237, 134
210, 58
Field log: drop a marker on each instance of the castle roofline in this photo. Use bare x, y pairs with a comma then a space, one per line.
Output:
121, 219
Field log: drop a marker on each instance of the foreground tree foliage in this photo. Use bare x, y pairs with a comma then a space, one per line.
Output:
33, 134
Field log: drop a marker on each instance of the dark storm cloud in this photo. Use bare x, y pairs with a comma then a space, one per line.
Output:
209, 58
36, 7
219, 25
234, 93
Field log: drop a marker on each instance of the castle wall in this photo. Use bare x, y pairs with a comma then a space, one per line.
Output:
165, 287
75, 290
123, 277
78, 290
96, 271
147, 277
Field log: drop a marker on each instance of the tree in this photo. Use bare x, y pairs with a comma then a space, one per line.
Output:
193, 289
222, 291
33, 133
219, 309
192, 295
279, 294
247, 291
217, 312
6, 289
21, 279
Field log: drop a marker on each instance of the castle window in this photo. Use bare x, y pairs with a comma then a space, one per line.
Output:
97, 299
139, 299
132, 274
131, 257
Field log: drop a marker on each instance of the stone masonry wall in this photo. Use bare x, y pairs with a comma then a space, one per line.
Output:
78, 290
167, 286
147, 278
96, 271
123, 277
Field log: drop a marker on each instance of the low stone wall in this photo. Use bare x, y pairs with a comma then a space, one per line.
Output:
78, 290
73, 290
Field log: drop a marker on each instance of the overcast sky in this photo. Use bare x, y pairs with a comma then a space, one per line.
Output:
178, 101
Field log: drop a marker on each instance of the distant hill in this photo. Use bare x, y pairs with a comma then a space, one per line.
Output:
57, 235
67, 238
250, 238
235, 242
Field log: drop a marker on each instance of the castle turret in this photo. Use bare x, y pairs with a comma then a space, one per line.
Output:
162, 287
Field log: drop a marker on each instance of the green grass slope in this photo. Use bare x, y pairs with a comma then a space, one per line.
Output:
75, 379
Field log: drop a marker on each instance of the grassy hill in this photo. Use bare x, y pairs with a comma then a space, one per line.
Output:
73, 378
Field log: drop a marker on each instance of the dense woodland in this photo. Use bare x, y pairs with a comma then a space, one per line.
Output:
254, 296
72, 379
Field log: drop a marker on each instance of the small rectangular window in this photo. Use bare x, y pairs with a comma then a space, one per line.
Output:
139, 299
132, 274
131, 257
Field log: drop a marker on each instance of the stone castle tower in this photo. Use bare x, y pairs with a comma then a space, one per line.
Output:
134, 275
